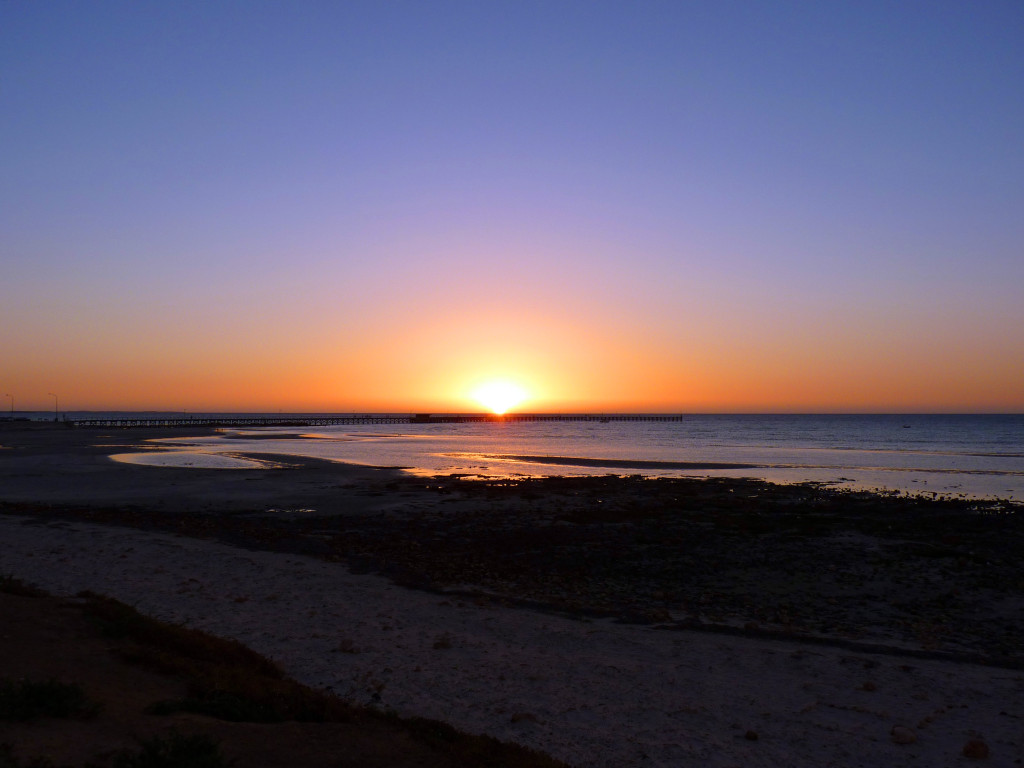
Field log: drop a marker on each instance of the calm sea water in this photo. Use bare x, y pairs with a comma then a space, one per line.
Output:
970, 455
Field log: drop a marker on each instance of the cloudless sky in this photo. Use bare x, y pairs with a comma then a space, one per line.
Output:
654, 206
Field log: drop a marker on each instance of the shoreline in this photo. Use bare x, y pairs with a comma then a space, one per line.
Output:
186, 451
790, 560
569, 577
592, 693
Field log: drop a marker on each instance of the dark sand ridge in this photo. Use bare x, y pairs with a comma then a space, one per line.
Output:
124, 666
594, 693
582, 461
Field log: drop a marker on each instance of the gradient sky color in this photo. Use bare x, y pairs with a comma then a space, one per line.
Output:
651, 206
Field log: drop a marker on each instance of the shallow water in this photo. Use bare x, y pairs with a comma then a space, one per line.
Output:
975, 456
197, 459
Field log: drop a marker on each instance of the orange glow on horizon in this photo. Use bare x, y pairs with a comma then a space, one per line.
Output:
565, 360
606, 238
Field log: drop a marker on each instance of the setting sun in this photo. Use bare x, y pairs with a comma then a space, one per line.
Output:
499, 396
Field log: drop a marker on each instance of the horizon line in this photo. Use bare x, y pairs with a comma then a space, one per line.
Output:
283, 413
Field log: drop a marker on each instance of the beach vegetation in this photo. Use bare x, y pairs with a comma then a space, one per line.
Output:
8, 760
223, 705
229, 682
13, 586
22, 700
175, 750
172, 647
226, 680
226, 684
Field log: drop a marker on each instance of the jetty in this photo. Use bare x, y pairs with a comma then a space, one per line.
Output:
292, 420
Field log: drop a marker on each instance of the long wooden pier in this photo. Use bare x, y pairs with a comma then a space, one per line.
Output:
369, 418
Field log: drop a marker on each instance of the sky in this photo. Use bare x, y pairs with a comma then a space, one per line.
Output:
616, 206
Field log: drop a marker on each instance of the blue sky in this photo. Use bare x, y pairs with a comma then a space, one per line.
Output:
718, 196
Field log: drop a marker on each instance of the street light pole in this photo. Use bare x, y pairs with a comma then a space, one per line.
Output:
54, 404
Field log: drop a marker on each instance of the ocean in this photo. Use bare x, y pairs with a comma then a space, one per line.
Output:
975, 456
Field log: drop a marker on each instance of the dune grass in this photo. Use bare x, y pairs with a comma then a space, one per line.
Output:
23, 700
172, 751
227, 681
13, 586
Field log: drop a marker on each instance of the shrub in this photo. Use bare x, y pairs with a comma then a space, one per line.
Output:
173, 751
13, 586
26, 700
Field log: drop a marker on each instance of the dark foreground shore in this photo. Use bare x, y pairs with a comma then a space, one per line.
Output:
889, 576
916, 574
90, 682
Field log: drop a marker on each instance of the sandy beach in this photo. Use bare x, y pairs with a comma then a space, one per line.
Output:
482, 644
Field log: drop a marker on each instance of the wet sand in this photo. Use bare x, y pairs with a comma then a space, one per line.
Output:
608, 621
72, 466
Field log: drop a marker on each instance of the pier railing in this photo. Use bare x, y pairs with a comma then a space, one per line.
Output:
324, 421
